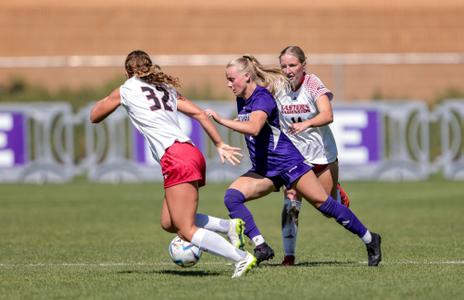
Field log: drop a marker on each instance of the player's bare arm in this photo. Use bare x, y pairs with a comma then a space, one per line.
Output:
251, 127
105, 106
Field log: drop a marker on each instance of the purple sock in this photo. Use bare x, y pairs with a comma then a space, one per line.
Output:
343, 215
235, 203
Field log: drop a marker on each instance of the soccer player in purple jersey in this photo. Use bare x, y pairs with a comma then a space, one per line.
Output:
276, 162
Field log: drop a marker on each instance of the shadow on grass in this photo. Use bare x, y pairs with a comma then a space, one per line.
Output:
309, 264
193, 273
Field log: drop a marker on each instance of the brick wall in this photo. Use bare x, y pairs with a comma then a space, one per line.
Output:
207, 27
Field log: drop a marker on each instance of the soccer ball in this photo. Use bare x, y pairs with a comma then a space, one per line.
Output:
183, 253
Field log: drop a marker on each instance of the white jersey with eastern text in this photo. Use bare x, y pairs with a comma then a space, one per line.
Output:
316, 144
153, 111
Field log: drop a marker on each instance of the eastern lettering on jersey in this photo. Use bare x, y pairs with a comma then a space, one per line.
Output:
295, 109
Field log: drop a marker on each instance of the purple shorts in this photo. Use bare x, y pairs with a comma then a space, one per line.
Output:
288, 177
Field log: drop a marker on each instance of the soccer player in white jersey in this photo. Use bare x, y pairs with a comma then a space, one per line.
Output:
276, 161
151, 101
305, 114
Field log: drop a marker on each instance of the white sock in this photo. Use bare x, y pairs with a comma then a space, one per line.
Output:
216, 244
258, 240
367, 237
289, 228
212, 223
297, 203
289, 245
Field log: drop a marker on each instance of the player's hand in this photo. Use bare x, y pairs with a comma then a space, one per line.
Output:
213, 115
232, 154
296, 128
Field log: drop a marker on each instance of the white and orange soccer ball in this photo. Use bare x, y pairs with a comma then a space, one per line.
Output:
183, 253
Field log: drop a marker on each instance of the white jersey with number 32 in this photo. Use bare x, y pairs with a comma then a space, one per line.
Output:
153, 111
316, 144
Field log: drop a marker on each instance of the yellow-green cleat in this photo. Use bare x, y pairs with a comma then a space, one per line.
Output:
236, 233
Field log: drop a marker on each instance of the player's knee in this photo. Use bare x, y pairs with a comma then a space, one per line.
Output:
167, 226
291, 194
233, 198
317, 200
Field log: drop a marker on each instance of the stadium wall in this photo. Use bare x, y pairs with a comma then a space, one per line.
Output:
52, 28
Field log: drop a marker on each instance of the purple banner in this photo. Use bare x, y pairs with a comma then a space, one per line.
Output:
12, 139
358, 134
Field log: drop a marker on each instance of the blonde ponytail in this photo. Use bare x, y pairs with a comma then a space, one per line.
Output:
271, 78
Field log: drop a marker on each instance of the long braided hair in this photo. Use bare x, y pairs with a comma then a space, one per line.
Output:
139, 64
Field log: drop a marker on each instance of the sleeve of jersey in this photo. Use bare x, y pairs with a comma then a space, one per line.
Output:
264, 102
316, 88
123, 95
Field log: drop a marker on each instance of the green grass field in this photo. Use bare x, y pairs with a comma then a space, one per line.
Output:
103, 241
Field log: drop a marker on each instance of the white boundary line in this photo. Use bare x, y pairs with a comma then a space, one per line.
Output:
76, 61
111, 264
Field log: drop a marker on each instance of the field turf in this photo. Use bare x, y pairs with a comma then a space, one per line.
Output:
103, 241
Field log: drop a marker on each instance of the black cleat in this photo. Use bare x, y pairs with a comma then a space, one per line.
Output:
263, 252
374, 252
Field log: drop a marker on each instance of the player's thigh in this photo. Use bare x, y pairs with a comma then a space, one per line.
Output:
329, 179
311, 189
253, 186
182, 203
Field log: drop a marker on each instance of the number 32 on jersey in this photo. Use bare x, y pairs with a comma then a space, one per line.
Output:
151, 95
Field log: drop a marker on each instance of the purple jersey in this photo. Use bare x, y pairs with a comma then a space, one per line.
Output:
271, 151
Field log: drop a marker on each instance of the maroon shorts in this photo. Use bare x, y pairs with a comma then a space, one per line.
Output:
319, 169
183, 162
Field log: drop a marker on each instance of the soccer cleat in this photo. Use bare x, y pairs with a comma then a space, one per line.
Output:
289, 260
343, 196
242, 267
374, 252
235, 233
263, 252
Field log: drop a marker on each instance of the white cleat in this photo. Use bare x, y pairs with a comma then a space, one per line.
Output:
242, 267
236, 233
